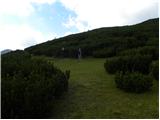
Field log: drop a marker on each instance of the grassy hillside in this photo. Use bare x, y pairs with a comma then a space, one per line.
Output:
127, 60
93, 94
102, 42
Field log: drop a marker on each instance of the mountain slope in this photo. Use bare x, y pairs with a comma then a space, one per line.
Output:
102, 42
5, 51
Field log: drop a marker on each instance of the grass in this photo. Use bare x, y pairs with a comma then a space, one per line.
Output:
93, 94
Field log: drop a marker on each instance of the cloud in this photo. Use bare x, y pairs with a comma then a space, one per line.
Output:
18, 35
20, 7
146, 13
92, 14
68, 33
16, 7
43, 1
75, 22
21, 36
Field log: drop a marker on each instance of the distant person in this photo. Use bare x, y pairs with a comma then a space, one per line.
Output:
62, 48
79, 53
63, 54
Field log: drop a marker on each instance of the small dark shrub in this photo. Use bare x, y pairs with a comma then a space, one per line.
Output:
133, 82
154, 70
112, 65
130, 63
145, 50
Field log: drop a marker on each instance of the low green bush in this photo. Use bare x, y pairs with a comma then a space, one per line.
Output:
153, 51
29, 85
154, 70
112, 65
133, 82
130, 63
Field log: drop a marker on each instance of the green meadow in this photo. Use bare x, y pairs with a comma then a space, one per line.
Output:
93, 94
47, 80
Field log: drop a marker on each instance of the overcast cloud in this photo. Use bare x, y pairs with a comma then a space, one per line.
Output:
105, 13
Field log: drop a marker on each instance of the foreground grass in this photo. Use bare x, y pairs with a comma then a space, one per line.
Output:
93, 94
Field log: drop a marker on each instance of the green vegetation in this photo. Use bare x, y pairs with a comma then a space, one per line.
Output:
145, 50
29, 85
32, 86
102, 42
133, 82
127, 49
93, 94
130, 63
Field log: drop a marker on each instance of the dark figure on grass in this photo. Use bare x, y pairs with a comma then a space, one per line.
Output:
63, 52
79, 54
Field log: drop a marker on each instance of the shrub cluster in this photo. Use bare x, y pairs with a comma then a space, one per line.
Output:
154, 70
103, 42
153, 51
29, 85
130, 63
102, 53
133, 82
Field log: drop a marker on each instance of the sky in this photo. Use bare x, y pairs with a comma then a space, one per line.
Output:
24, 23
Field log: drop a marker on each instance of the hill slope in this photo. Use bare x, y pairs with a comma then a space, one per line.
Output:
5, 51
102, 42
